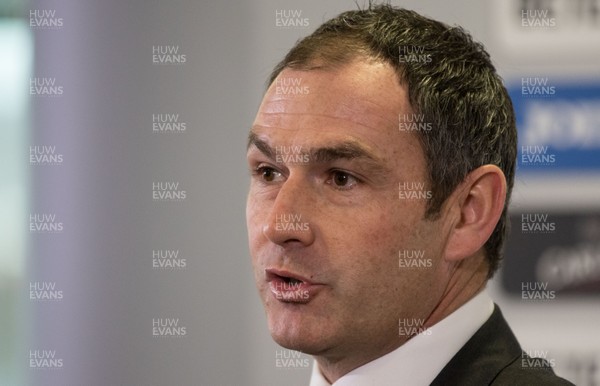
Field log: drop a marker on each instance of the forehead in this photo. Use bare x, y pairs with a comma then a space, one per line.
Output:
361, 101
367, 93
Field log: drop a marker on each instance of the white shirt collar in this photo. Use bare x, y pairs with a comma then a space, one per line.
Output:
420, 359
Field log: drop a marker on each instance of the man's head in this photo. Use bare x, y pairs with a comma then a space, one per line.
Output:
383, 134
451, 82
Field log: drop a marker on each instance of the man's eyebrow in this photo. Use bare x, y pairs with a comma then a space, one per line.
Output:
260, 144
347, 150
344, 150
375, 167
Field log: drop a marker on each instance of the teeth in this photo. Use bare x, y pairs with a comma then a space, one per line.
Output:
294, 281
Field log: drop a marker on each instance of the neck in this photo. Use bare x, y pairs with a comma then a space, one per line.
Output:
467, 279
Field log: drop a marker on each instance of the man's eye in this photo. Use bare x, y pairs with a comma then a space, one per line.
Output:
342, 180
267, 174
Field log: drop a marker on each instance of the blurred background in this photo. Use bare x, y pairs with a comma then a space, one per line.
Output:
124, 258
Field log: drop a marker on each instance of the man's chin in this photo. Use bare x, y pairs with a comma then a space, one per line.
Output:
300, 334
302, 344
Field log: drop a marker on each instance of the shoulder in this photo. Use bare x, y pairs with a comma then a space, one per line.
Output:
526, 371
493, 356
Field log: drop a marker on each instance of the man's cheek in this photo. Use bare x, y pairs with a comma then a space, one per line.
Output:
255, 216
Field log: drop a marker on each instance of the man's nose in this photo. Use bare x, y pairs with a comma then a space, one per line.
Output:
291, 218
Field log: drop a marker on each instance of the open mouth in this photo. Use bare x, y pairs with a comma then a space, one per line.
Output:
289, 288
285, 277
291, 280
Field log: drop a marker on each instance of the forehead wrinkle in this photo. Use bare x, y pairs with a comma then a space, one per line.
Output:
277, 116
355, 104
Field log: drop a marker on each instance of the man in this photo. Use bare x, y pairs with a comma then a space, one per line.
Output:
382, 160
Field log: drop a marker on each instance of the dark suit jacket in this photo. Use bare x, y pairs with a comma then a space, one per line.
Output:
493, 356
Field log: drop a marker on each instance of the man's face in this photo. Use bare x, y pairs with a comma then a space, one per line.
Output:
325, 219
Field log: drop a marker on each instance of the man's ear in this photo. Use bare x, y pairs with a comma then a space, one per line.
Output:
476, 206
